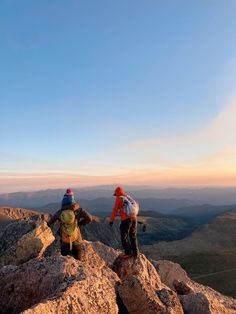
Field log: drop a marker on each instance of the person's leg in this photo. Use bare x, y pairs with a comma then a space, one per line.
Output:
79, 238
133, 236
124, 232
76, 250
65, 249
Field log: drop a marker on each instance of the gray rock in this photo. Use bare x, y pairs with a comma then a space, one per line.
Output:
30, 245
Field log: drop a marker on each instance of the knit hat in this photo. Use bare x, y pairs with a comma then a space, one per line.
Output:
69, 192
68, 200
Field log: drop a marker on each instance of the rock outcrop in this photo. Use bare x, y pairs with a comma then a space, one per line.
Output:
9, 215
29, 245
59, 284
107, 253
141, 289
102, 281
169, 272
18, 213
13, 232
195, 298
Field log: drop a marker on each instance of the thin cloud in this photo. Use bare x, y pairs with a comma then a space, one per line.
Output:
217, 137
204, 157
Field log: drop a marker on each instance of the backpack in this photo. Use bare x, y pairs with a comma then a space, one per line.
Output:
69, 226
131, 207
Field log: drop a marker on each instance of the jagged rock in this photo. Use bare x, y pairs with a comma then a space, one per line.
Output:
55, 247
30, 245
182, 288
206, 300
59, 284
10, 213
141, 289
198, 303
107, 253
195, 298
169, 272
13, 232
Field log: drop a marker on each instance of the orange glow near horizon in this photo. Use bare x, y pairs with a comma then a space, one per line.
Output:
181, 177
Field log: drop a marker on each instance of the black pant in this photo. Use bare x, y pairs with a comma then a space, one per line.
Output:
75, 252
128, 232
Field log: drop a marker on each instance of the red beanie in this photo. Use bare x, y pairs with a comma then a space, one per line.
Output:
69, 192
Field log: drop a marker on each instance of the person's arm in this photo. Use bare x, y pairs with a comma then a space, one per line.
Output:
144, 226
116, 207
53, 218
84, 217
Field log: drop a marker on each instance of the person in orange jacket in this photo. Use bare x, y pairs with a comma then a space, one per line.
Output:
128, 225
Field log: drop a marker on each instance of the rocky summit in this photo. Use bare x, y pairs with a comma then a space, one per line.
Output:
35, 278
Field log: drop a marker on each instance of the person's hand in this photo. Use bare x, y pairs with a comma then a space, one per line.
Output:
45, 217
111, 223
144, 227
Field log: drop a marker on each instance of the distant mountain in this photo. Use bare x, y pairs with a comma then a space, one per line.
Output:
105, 205
31, 199
150, 213
203, 213
165, 199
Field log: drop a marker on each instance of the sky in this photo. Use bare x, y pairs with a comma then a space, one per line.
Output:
135, 92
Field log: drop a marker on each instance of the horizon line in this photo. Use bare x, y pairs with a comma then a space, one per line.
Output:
133, 186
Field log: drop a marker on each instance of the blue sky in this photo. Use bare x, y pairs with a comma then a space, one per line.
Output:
82, 82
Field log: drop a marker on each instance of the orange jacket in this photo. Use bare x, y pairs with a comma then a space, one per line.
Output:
119, 205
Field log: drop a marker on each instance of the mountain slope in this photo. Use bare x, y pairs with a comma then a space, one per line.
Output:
218, 234
206, 254
203, 213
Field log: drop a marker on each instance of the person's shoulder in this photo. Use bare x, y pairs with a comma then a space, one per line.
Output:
121, 197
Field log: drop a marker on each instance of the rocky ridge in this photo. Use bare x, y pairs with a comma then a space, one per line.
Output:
101, 282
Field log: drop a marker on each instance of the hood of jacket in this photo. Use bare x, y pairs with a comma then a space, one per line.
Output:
119, 192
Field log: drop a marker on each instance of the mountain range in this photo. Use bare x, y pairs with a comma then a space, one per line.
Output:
177, 197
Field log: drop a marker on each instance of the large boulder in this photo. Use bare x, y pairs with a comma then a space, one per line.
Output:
195, 298
32, 244
59, 284
198, 303
169, 272
141, 289
9, 215
107, 253
13, 232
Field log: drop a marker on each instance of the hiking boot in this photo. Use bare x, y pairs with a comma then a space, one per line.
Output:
136, 254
